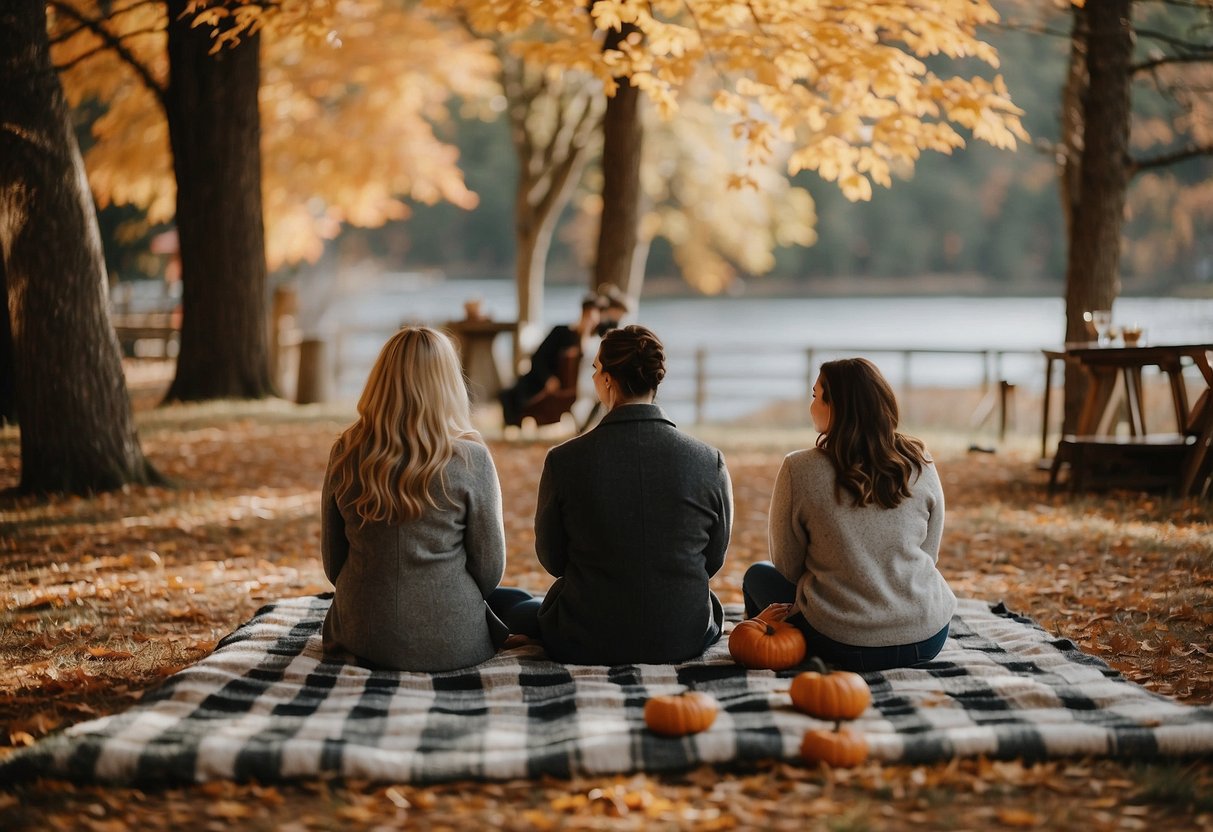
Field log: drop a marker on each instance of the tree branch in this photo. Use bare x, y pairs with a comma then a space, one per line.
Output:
1151, 65
1171, 40
1164, 159
82, 27
114, 42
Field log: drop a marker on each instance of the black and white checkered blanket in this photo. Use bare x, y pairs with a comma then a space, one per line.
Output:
267, 705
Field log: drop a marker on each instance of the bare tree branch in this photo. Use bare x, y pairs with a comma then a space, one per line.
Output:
1165, 159
114, 42
81, 27
1165, 60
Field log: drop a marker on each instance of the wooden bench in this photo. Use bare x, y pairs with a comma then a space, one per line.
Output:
136, 331
1153, 462
548, 406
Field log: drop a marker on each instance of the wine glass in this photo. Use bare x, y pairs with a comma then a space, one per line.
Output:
1101, 319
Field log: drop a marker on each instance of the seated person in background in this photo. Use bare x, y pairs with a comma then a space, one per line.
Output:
614, 305
546, 361
411, 530
854, 532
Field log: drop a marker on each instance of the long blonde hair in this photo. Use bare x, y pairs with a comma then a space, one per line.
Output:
415, 406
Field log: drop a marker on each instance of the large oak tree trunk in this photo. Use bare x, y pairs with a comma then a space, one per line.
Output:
622, 141
77, 431
215, 132
1093, 257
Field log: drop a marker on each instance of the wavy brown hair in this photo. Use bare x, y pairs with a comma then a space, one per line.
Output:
413, 409
874, 463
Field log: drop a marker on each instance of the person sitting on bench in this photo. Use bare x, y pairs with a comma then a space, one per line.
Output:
545, 362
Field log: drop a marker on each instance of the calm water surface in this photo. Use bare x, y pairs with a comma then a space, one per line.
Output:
757, 348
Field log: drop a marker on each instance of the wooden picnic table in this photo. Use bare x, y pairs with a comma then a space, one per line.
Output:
1106, 365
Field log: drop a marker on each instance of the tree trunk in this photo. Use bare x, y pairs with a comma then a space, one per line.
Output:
622, 139
551, 156
215, 133
77, 431
1093, 258
8, 370
1073, 94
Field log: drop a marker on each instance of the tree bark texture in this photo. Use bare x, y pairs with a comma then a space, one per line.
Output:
215, 133
619, 229
77, 431
8, 390
1093, 258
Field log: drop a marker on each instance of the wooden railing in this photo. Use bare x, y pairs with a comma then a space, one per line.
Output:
732, 373
741, 371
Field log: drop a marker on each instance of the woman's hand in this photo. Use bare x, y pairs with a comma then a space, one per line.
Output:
776, 613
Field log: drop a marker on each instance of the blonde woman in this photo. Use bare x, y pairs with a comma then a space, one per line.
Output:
411, 528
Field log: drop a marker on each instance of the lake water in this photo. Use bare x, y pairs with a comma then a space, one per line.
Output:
758, 348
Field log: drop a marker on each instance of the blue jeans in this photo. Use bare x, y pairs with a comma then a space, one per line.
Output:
763, 586
517, 609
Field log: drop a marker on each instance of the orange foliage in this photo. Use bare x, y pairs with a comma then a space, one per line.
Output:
846, 84
350, 92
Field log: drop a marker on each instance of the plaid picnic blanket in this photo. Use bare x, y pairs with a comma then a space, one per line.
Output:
267, 705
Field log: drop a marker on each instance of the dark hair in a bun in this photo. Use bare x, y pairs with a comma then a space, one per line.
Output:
634, 357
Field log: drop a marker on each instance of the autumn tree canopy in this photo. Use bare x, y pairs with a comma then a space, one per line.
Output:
852, 87
348, 97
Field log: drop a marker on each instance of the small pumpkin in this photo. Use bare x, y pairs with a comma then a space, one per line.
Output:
843, 749
825, 695
680, 714
768, 645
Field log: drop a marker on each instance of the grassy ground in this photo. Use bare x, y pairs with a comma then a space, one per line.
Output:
102, 597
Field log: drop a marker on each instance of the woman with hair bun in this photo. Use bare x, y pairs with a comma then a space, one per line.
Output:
854, 532
633, 519
411, 526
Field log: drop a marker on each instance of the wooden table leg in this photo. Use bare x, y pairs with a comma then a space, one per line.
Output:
1134, 401
1044, 418
1099, 392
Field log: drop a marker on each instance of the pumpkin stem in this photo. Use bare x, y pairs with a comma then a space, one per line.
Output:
837, 725
817, 664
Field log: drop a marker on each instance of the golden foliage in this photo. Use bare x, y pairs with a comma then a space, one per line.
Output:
846, 84
350, 91
716, 223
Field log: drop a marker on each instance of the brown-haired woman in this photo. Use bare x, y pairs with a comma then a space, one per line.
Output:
633, 519
854, 532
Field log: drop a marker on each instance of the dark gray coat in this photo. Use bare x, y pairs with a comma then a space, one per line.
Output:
633, 519
411, 596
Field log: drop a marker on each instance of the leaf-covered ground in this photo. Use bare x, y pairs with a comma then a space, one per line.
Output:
102, 597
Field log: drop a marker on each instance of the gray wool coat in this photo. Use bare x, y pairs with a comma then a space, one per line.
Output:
411, 596
633, 519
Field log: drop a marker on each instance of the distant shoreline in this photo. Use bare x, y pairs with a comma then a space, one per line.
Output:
924, 286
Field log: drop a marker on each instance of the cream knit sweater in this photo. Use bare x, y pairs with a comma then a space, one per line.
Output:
867, 576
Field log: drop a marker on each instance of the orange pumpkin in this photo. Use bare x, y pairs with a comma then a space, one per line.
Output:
680, 714
842, 749
766, 645
826, 695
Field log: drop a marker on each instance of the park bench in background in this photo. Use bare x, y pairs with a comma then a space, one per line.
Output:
147, 334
